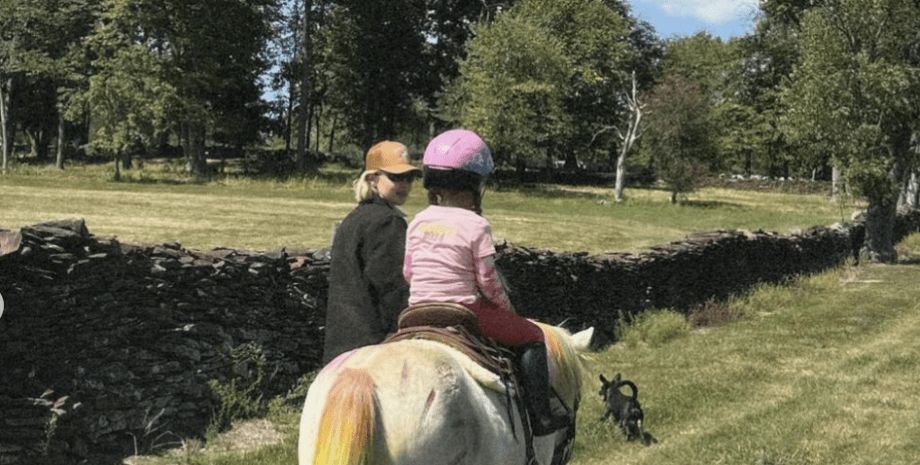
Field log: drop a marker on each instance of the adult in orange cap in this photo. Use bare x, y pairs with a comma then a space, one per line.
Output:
366, 287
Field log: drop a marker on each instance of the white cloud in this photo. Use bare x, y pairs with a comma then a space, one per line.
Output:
710, 12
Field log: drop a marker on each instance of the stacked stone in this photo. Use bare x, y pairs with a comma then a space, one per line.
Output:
599, 290
132, 334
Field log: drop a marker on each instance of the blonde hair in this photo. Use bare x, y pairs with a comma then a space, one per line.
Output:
364, 190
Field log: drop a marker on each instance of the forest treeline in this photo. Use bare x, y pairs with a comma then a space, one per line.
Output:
820, 89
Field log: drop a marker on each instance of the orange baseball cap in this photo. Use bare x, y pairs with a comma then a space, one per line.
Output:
389, 156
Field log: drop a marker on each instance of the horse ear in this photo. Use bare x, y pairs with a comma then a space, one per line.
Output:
582, 339
604, 380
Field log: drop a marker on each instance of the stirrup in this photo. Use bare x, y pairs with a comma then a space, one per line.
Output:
556, 423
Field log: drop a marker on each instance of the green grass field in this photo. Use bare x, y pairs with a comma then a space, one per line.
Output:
155, 204
823, 371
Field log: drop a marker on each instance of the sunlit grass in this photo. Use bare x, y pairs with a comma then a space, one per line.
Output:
824, 371
158, 203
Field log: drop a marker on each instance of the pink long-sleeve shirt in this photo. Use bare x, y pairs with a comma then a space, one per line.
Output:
449, 259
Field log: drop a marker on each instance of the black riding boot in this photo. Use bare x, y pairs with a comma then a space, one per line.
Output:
534, 376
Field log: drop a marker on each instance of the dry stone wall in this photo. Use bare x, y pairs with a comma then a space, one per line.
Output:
109, 348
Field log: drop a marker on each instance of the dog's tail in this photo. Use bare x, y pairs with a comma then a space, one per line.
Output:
632, 386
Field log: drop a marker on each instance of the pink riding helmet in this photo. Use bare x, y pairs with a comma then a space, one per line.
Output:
459, 149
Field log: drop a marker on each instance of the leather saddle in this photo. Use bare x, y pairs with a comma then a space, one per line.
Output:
458, 327
439, 315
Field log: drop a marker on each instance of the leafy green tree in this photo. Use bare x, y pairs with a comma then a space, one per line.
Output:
744, 138
855, 96
769, 57
544, 79
127, 97
706, 62
680, 135
743, 133
38, 40
510, 87
373, 58
594, 36
205, 54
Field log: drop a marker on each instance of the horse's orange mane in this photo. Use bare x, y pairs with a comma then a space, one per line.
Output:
566, 365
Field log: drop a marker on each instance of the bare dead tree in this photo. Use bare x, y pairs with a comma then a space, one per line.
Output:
632, 134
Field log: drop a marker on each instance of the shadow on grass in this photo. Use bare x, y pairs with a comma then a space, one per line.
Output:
709, 204
544, 191
153, 172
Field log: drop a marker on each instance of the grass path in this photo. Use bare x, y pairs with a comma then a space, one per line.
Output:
823, 373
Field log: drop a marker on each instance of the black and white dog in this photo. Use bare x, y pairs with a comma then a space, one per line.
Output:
626, 411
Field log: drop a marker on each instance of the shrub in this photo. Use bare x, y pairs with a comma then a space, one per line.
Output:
655, 328
715, 313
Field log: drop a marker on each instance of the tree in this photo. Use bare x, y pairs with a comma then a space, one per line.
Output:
595, 38
855, 95
306, 71
127, 98
544, 78
38, 41
374, 62
510, 89
679, 135
629, 137
207, 55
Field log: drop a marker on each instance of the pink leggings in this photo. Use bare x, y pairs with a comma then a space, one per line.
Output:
505, 327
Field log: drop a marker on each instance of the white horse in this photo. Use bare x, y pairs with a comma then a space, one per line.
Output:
420, 402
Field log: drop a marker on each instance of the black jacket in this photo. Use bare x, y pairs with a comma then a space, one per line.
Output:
366, 286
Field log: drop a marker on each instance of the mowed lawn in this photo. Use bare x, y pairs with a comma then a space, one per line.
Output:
150, 206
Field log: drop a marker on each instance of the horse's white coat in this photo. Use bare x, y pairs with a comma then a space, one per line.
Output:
434, 406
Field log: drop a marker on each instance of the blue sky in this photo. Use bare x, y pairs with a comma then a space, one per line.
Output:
721, 18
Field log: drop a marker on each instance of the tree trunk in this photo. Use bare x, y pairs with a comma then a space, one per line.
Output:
197, 134
289, 120
332, 131
59, 155
910, 194
882, 212
632, 133
835, 183
115, 158
910, 188
193, 136
305, 53
317, 115
621, 176
5, 143
880, 218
